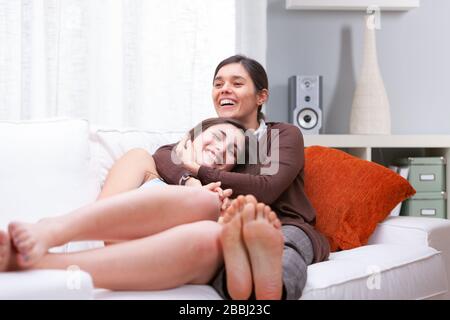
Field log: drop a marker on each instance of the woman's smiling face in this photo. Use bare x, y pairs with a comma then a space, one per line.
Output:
234, 94
218, 146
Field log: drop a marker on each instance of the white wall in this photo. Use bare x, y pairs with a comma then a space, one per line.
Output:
414, 56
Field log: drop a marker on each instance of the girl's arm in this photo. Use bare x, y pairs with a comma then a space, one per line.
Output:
129, 172
169, 171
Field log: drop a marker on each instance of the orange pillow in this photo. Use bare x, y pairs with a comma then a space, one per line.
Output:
351, 196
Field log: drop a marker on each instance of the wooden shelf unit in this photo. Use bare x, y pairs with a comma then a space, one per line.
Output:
385, 149
384, 5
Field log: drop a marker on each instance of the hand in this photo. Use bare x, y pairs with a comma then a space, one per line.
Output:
224, 195
192, 182
185, 152
215, 187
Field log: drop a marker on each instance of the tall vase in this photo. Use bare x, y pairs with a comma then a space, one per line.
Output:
370, 109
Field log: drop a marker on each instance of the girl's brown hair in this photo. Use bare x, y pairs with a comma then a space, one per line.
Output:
205, 124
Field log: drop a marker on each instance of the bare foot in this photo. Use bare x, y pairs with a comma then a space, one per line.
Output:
5, 251
264, 242
236, 205
237, 264
32, 240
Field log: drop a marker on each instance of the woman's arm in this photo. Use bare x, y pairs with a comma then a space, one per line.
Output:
129, 172
266, 188
169, 171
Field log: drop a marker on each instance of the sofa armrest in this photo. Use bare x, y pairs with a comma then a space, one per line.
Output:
416, 231
430, 232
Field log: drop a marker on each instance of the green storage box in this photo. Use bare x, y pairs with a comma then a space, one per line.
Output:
426, 204
426, 174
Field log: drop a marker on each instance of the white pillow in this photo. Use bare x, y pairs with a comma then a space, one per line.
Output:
110, 144
45, 169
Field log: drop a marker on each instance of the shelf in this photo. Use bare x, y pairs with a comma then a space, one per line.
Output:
385, 149
385, 5
374, 141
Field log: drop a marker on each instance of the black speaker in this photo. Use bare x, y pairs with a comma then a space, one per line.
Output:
305, 103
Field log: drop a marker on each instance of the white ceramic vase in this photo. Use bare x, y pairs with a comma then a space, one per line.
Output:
370, 109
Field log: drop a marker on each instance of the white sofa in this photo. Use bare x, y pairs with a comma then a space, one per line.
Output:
49, 167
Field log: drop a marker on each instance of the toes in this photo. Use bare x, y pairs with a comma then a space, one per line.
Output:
267, 211
248, 213
277, 223
25, 246
23, 260
235, 204
4, 238
19, 238
4, 251
240, 202
260, 211
17, 231
272, 216
251, 199
237, 221
231, 210
273, 219
226, 217
14, 227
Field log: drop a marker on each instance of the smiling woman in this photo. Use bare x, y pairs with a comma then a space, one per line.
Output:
238, 87
257, 263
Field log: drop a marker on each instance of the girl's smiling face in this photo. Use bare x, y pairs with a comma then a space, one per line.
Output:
218, 146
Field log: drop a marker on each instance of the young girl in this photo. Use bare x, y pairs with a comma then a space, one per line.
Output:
153, 208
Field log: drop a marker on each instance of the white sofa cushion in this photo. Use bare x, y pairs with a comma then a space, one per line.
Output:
419, 231
186, 292
108, 145
381, 271
45, 169
46, 285
369, 272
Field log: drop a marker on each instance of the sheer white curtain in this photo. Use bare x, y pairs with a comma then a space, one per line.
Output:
251, 29
134, 63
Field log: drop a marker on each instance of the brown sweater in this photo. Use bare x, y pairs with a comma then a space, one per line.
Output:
283, 191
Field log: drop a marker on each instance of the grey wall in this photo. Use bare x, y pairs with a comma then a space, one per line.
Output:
413, 52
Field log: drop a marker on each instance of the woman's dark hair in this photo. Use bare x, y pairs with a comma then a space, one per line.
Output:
205, 124
254, 69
